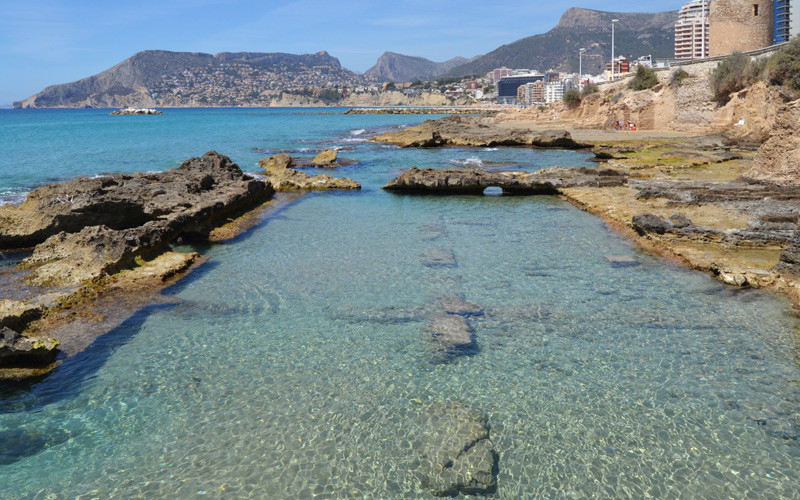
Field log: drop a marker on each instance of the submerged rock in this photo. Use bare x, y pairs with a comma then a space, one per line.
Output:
452, 337
456, 453
439, 257
16, 444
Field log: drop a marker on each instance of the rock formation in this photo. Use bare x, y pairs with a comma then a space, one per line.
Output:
91, 227
325, 157
284, 178
17, 351
137, 111
475, 131
778, 159
475, 181
456, 452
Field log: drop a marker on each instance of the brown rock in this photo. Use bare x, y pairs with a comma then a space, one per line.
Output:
19, 351
276, 164
284, 178
778, 159
16, 314
326, 157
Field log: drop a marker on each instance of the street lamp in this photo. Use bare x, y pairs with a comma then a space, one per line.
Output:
613, 22
580, 69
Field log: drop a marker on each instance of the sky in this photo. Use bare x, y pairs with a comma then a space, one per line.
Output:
46, 42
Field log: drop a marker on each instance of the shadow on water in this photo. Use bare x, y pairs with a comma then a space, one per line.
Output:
66, 381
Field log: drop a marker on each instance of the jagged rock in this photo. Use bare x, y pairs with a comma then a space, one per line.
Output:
275, 164
20, 351
284, 178
201, 192
778, 159
475, 181
16, 314
476, 131
326, 157
790, 258
649, 223
456, 452
147, 211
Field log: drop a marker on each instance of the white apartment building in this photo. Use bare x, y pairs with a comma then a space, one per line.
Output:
691, 30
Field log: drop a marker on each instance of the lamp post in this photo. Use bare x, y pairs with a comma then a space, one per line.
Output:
613, 22
580, 69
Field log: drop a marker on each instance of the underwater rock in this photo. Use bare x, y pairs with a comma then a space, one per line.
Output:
460, 307
439, 257
456, 453
16, 444
452, 335
621, 261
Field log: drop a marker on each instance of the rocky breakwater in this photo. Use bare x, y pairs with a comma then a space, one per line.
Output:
455, 181
91, 228
137, 111
476, 131
284, 177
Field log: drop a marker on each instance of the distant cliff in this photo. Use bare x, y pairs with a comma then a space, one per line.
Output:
635, 35
162, 78
400, 68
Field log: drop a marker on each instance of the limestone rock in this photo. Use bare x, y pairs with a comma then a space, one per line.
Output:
475, 181
778, 159
456, 452
20, 351
649, 223
16, 314
201, 191
326, 157
284, 178
477, 131
790, 258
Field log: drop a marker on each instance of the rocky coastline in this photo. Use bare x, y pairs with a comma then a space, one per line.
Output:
422, 111
91, 241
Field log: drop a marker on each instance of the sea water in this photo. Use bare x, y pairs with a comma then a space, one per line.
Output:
297, 362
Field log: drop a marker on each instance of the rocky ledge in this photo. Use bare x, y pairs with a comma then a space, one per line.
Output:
284, 177
455, 181
476, 131
91, 228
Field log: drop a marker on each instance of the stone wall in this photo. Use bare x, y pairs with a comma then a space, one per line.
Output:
741, 25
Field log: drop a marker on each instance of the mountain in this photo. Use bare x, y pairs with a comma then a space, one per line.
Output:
636, 35
400, 68
162, 78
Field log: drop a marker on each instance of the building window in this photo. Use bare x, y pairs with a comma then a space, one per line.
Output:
755, 9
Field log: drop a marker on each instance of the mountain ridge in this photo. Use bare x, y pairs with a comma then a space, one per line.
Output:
395, 67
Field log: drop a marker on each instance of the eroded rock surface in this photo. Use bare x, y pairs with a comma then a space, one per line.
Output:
285, 178
475, 181
477, 131
199, 193
456, 453
19, 351
17, 314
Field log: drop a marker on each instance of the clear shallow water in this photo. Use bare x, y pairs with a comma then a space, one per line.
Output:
298, 363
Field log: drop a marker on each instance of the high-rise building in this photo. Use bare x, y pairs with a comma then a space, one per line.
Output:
781, 28
691, 30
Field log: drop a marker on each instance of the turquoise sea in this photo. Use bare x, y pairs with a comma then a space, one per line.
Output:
297, 362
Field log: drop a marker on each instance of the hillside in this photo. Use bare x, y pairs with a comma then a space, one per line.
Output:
401, 68
162, 78
635, 35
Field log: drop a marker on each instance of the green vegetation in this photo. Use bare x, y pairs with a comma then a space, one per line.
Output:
644, 79
589, 89
783, 68
679, 75
734, 74
572, 98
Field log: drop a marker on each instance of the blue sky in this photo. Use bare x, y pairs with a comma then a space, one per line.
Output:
44, 42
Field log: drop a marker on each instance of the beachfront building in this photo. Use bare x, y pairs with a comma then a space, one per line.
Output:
554, 92
531, 93
621, 65
507, 87
692, 30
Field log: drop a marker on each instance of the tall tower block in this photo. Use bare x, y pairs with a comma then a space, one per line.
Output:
739, 25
